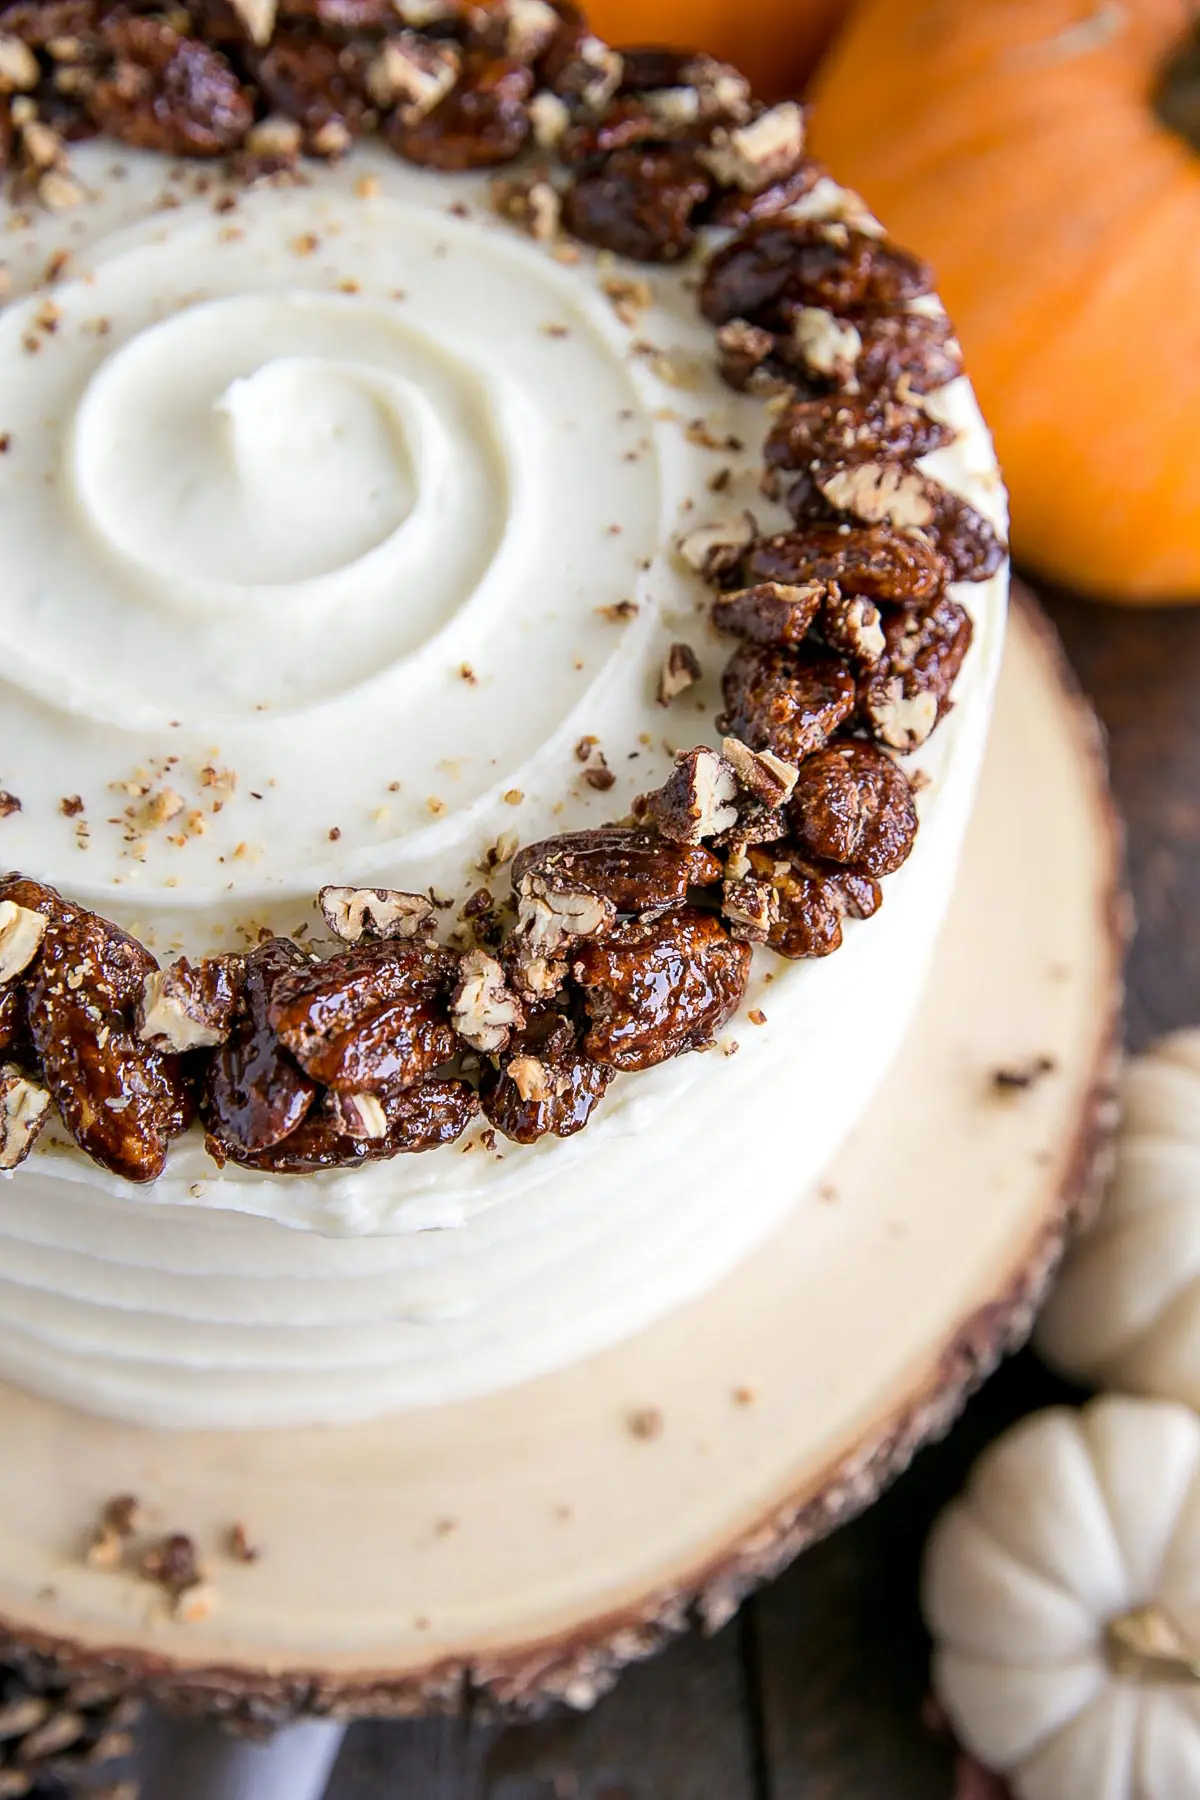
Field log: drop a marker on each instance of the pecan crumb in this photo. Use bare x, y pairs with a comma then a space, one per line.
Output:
744, 1396
70, 806
697, 800
172, 1564
646, 1422
1019, 1076
621, 609
239, 1546
9, 804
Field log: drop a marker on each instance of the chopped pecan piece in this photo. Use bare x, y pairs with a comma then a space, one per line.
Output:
258, 17
755, 155
531, 202
697, 800
530, 27
21, 933
876, 562
622, 124
737, 209
771, 612
655, 988
545, 1084
878, 493
767, 777
422, 1117
639, 203
190, 1006
637, 871
750, 907
121, 1100
413, 74
356, 1115
851, 624
369, 1018
166, 92
823, 346
680, 670
579, 66
713, 550
24, 1109
838, 428
903, 698
483, 1008
967, 544
553, 908
482, 121
353, 914
790, 702
746, 358
851, 804
20, 70
809, 262
322, 85
254, 1093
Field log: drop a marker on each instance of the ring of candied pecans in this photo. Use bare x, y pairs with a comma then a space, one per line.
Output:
632, 943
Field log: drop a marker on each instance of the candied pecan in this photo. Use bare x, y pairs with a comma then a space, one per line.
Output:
319, 84
852, 625
639, 203
638, 871
39, 22
737, 209
622, 123
413, 73
790, 702
545, 1084
577, 65
369, 1018
254, 1093
190, 1006
903, 698
482, 121
121, 1100
808, 262
824, 347
553, 907
483, 1008
912, 350
422, 1117
697, 800
167, 93
876, 562
24, 1109
770, 612
967, 544
837, 428
851, 804
355, 913
655, 988
812, 899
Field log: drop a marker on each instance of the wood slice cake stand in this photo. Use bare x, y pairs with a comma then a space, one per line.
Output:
521, 1548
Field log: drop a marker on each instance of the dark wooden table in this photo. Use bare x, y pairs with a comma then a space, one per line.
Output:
816, 1691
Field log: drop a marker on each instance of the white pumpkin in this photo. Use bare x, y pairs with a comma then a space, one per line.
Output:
1126, 1311
1063, 1593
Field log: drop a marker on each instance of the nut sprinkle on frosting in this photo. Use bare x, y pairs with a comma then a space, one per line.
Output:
625, 945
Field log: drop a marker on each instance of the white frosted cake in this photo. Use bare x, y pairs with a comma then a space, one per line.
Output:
355, 525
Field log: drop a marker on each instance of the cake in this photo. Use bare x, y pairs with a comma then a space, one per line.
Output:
504, 577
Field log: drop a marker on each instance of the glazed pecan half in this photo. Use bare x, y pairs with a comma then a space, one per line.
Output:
906, 694
874, 561
808, 262
639, 202
544, 1084
422, 1117
482, 121
121, 1100
166, 92
655, 988
637, 871
852, 804
369, 1018
838, 428
812, 899
789, 702
254, 1093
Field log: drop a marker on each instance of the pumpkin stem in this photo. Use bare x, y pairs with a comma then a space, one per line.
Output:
1177, 96
1147, 1645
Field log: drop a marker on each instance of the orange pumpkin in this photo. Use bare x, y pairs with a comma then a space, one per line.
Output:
775, 42
1044, 155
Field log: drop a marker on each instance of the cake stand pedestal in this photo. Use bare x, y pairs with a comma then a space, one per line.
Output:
522, 1548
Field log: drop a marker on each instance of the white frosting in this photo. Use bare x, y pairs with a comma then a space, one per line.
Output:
312, 498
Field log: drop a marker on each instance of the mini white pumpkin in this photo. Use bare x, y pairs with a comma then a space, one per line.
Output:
1063, 1593
1126, 1311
